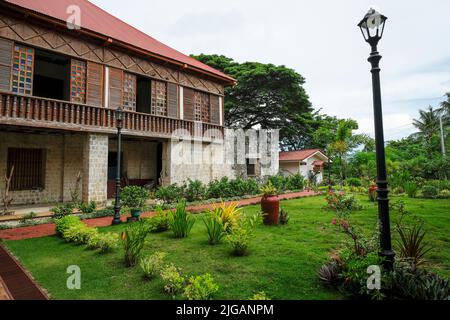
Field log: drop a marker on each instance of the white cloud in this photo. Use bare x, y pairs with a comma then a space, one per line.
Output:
320, 40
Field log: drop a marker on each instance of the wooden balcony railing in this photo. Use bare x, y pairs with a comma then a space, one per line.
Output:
33, 111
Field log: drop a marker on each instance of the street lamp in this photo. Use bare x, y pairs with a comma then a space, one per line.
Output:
372, 28
119, 123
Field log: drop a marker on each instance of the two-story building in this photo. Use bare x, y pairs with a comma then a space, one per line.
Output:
60, 85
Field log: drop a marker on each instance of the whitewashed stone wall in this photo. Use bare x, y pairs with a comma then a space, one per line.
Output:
95, 168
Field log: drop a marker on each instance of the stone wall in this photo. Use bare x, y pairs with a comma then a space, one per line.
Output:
139, 158
53, 146
194, 160
95, 168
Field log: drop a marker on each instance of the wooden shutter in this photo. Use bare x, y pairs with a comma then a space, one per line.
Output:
159, 98
172, 100
78, 81
129, 91
115, 88
6, 47
188, 103
94, 84
215, 109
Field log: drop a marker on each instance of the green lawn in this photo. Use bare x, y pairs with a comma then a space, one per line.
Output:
282, 262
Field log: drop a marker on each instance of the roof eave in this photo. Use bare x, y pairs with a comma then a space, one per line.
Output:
90, 33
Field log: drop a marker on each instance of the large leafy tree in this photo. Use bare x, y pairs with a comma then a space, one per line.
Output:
266, 96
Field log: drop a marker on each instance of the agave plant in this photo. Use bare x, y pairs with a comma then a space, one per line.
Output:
411, 244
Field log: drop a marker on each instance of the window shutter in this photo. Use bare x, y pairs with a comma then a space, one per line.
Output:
215, 109
188, 103
23, 69
94, 84
159, 98
77, 81
129, 91
172, 100
5, 64
115, 88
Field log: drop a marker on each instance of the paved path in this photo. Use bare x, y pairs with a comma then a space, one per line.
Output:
44, 230
15, 283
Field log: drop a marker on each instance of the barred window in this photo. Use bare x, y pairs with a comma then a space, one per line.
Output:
159, 98
29, 168
129, 91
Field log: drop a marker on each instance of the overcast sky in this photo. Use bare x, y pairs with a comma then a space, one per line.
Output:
320, 40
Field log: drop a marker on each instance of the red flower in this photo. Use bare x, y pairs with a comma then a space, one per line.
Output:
334, 221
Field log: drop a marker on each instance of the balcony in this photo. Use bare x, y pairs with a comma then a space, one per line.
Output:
30, 111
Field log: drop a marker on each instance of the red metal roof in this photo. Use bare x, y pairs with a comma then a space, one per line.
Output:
98, 20
298, 155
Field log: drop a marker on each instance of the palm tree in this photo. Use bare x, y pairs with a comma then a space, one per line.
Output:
428, 123
444, 110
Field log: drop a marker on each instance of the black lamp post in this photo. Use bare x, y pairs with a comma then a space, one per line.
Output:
119, 122
372, 28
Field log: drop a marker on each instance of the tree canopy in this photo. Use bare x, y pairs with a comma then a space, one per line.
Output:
266, 96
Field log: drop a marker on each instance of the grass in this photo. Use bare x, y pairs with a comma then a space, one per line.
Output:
282, 262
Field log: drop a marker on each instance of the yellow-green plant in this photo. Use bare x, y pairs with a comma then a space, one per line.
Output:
180, 221
151, 265
200, 287
229, 213
172, 278
269, 189
133, 242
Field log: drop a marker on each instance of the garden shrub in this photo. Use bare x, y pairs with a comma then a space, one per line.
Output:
87, 208
215, 226
180, 221
220, 189
151, 265
194, 190
159, 222
200, 287
66, 222
105, 242
134, 197
411, 189
295, 182
242, 234
284, 216
260, 296
169, 194
62, 210
79, 233
340, 202
444, 194
411, 243
172, 278
430, 191
133, 242
279, 182
354, 182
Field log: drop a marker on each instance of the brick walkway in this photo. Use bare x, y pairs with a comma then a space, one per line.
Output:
15, 283
44, 230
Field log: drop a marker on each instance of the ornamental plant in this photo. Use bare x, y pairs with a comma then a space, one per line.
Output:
269, 189
153, 264
104, 242
133, 242
180, 221
242, 234
134, 197
340, 202
172, 278
373, 193
200, 287
215, 226
230, 214
65, 223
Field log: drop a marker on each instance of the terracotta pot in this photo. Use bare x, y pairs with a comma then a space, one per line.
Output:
270, 206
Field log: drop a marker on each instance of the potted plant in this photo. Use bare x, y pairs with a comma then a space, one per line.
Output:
270, 204
134, 197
